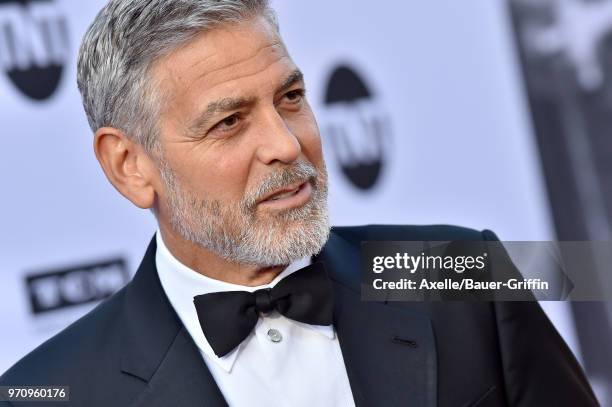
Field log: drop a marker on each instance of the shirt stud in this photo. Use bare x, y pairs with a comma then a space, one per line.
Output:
274, 335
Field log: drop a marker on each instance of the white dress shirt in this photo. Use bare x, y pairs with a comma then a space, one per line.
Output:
304, 368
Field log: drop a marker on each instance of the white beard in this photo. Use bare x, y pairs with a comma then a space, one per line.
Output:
237, 233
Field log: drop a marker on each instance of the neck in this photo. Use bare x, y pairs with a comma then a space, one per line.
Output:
211, 265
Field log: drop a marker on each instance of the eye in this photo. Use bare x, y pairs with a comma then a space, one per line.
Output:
227, 124
230, 121
295, 96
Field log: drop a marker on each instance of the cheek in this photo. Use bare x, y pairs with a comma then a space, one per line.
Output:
227, 176
215, 176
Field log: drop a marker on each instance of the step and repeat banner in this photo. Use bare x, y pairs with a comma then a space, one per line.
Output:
565, 47
423, 110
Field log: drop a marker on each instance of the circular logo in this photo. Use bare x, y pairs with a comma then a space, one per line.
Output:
34, 45
356, 127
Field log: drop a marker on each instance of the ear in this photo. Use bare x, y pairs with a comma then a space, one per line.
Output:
127, 166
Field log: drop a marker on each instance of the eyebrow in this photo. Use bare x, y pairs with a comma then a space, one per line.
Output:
293, 78
218, 106
229, 104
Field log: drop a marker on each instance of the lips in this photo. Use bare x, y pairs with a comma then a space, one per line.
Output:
283, 193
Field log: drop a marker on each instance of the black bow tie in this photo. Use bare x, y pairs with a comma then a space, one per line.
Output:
228, 317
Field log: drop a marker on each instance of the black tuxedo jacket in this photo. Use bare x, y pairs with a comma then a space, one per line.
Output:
132, 350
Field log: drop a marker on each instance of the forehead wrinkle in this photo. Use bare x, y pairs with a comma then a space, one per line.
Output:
243, 61
255, 73
277, 43
201, 61
164, 63
250, 74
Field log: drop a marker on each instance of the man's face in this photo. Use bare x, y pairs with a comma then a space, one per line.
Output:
241, 168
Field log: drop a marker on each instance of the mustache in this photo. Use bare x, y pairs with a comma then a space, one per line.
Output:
300, 172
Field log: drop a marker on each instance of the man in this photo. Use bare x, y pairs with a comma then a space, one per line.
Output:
200, 115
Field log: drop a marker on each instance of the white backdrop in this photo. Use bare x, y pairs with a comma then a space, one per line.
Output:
444, 85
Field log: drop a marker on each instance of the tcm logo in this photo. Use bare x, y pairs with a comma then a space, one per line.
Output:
356, 127
74, 286
33, 45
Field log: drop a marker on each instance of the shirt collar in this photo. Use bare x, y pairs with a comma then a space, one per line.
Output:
181, 284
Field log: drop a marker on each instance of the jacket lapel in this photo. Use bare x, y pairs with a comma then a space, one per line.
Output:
182, 379
389, 352
158, 350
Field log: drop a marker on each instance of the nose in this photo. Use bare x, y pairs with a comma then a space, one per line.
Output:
277, 141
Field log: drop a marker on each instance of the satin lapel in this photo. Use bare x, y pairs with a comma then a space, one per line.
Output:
158, 350
389, 352
182, 379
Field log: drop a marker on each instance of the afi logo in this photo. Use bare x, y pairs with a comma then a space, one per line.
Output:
33, 45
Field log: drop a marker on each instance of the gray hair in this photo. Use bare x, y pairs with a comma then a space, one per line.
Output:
126, 38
